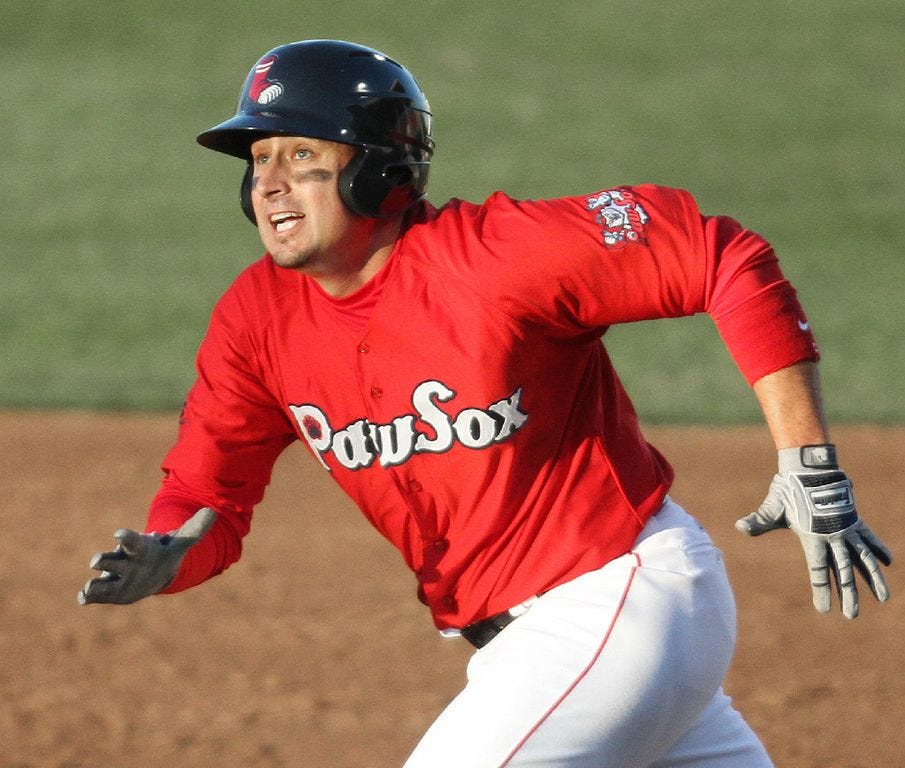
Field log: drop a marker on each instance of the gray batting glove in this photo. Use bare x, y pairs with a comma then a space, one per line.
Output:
143, 563
813, 497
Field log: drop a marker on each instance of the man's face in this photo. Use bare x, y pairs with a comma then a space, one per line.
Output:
301, 219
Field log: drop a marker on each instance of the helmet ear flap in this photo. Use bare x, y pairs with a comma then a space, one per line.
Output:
377, 183
245, 195
354, 190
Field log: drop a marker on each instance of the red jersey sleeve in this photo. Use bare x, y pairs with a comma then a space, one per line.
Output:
755, 309
581, 264
231, 432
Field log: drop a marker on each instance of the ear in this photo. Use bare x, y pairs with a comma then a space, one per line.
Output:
245, 195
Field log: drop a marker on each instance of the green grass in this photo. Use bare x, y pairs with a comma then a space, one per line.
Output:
120, 232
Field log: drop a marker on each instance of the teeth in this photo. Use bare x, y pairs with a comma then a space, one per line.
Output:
284, 220
283, 216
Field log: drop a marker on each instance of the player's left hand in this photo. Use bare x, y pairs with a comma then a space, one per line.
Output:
143, 563
813, 497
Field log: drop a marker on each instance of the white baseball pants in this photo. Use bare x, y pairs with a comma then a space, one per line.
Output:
619, 668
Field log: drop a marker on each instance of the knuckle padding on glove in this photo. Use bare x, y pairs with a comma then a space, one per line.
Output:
828, 492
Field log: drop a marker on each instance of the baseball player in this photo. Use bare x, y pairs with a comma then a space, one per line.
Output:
445, 366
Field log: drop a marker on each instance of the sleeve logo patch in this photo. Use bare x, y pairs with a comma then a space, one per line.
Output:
620, 216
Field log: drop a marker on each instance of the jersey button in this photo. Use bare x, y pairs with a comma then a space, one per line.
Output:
441, 545
363, 348
376, 393
415, 486
448, 603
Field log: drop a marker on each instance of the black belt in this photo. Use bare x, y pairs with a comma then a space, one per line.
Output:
482, 632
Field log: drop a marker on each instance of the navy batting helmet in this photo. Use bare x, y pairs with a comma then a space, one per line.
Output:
339, 91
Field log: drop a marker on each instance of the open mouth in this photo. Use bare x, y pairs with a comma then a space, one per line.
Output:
285, 220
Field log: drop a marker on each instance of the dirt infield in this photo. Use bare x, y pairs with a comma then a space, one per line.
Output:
312, 651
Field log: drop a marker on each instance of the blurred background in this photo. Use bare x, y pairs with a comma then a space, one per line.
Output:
120, 232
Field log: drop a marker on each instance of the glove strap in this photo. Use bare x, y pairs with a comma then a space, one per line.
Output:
808, 457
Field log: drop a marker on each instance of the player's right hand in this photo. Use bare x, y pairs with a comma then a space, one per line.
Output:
142, 563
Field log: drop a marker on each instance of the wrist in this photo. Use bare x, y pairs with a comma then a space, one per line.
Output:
808, 458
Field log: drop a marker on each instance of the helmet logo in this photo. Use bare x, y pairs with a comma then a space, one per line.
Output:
262, 90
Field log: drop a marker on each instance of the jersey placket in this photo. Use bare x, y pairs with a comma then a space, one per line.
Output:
411, 490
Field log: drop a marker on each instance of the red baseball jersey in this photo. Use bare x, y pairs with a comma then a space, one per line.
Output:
463, 398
